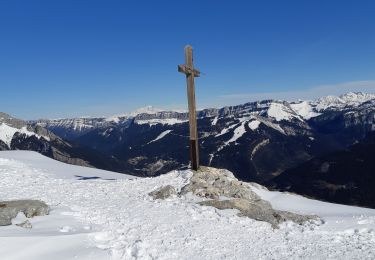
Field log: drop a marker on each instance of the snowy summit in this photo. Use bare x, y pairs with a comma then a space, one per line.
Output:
101, 215
142, 110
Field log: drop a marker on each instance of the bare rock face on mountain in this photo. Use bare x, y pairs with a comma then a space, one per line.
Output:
31, 208
226, 192
14, 122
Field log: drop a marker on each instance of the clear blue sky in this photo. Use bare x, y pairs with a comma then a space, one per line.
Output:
75, 58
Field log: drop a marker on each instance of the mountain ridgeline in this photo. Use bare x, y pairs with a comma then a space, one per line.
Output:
16, 134
258, 141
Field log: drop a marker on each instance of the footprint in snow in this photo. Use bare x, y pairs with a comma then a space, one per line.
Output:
66, 229
87, 227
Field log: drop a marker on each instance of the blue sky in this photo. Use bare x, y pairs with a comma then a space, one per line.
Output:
76, 58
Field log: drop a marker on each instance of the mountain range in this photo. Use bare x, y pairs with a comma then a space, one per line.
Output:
17, 134
258, 141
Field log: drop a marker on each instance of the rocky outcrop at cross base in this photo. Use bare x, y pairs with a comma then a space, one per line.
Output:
224, 191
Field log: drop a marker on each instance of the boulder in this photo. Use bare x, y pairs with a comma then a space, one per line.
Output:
258, 210
31, 208
163, 192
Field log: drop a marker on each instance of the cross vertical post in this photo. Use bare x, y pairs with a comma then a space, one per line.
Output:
191, 73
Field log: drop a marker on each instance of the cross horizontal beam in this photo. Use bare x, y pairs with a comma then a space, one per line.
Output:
188, 71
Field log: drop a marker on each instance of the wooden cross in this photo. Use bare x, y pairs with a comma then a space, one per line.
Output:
190, 72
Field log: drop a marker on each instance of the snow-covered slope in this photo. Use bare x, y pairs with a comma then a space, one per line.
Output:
60, 170
281, 111
304, 109
103, 219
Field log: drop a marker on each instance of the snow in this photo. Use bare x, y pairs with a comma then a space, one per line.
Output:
210, 157
348, 99
114, 118
166, 121
304, 109
280, 112
7, 133
59, 235
162, 135
79, 124
107, 132
259, 146
350, 217
240, 129
142, 110
357, 98
253, 125
237, 133
272, 125
117, 118
145, 110
226, 130
98, 219
214, 121
327, 102
58, 169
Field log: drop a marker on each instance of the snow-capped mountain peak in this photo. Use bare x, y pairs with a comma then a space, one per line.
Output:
356, 97
349, 99
145, 110
149, 115
304, 109
281, 111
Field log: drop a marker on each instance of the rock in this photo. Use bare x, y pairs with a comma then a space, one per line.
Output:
25, 224
163, 192
216, 183
212, 183
31, 208
258, 210
283, 216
